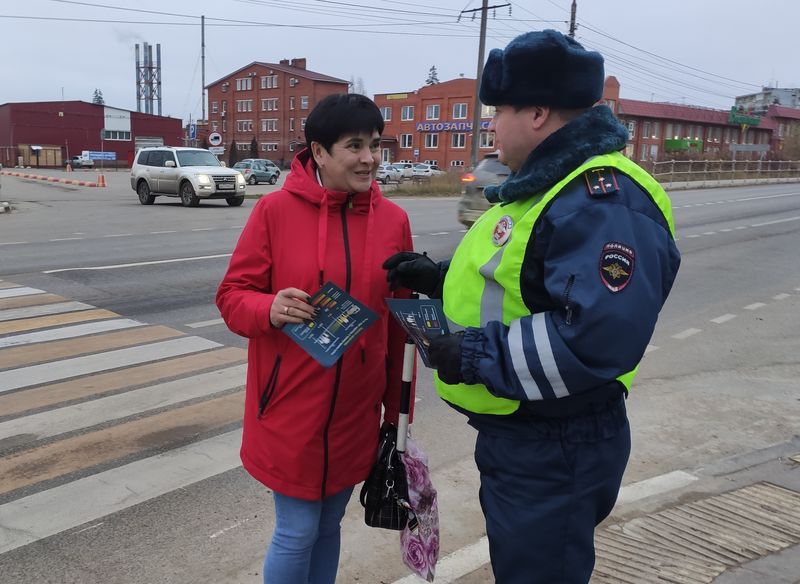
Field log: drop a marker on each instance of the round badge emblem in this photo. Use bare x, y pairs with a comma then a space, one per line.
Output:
502, 230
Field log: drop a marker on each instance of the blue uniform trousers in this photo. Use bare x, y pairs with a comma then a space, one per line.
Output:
544, 490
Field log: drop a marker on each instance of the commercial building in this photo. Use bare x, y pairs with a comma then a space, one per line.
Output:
268, 102
759, 103
48, 133
433, 124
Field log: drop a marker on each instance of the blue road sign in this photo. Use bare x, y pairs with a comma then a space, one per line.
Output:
102, 155
192, 131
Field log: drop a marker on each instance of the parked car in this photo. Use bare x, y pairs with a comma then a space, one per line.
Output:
387, 172
255, 171
427, 170
406, 168
264, 162
189, 173
80, 162
472, 204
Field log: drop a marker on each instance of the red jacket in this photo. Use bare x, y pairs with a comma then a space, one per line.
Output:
310, 432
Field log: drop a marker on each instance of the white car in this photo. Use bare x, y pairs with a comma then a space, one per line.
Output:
189, 173
406, 168
427, 170
387, 172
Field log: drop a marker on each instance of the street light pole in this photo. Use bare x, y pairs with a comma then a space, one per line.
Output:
476, 104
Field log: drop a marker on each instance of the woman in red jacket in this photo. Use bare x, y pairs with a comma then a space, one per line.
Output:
310, 434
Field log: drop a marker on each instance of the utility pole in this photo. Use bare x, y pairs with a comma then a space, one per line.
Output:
572, 24
476, 105
203, 63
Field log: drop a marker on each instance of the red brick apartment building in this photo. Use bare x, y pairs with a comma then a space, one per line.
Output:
269, 102
433, 124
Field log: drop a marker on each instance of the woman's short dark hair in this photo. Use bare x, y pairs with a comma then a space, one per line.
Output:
340, 114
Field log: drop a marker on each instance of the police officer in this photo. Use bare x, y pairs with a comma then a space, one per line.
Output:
551, 297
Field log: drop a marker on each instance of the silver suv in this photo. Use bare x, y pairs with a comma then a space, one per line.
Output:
189, 173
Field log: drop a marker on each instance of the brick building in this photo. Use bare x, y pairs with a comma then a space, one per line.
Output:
433, 124
48, 133
269, 102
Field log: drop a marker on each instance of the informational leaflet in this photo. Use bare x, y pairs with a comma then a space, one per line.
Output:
422, 319
339, 321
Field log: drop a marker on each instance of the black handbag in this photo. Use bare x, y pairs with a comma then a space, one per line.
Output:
384, 495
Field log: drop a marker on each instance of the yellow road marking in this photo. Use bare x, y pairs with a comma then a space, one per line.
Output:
33, 300
27, 324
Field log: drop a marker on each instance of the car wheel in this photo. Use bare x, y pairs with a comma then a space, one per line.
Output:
385, 180
143, 190
273, 179
234, 201
188, 198
252, 180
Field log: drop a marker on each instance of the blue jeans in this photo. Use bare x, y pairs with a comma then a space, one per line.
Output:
305, 543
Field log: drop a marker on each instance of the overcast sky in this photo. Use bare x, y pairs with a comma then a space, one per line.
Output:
697, 52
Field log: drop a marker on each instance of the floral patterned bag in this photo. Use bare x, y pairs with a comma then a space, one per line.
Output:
419, 540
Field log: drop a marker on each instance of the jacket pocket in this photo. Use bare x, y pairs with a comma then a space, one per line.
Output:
269, 388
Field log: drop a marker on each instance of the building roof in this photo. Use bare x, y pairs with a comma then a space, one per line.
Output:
683, 113
296, 71
432, 87
68, 101
782, 111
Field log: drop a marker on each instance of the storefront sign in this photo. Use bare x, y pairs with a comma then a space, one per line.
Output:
448, 126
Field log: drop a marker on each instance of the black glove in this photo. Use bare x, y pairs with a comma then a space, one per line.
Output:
415, 271
445, 355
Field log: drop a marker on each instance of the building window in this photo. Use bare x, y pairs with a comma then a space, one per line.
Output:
224, 107
214, 126
654, 151
656, 130
643, 153
303, 102
407, 113
269, 82
458, 140
244, 125
668, 132
269, 105
291, 146
269, 146
244, 105
224, 125
214, 107
431, 140
302, 124
269, 125
431, 162
432, 112
645, 130
291, 124
243, 146
118, 135
487, 111
291, 102
678, 132
386, 112
487, 140
631, 129
244, 84
386, 155
459, 111
629, 151
456, 163
225, 87
406, 140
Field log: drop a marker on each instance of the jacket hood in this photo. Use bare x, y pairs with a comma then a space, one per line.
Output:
593, 133
302, 182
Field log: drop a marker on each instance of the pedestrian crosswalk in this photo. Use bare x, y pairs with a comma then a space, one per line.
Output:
99, 412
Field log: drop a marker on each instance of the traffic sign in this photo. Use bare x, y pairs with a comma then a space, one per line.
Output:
217, 150
215, 138
192, 131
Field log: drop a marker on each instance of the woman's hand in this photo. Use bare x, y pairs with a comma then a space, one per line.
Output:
291, 305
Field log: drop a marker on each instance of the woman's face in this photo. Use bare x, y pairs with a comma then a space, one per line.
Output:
351, 164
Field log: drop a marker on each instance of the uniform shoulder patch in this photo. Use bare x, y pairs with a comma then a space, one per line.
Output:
616, 266
601, 182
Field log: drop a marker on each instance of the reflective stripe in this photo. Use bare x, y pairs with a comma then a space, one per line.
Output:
516, 348
548, 360
492, 297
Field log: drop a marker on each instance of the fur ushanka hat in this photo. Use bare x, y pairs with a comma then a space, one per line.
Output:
544, 68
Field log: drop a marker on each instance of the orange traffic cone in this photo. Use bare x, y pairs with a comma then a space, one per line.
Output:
101, 180
69, 167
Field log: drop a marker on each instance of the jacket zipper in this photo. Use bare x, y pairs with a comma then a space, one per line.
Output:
325, 445
269, 389
567, 305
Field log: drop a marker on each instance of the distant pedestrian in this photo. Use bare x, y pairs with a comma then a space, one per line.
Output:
552, 295
311, 434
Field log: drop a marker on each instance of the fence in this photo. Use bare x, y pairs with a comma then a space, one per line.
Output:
671, 171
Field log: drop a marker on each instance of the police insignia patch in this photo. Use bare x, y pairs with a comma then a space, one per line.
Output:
601, 181
502, 230
616, 266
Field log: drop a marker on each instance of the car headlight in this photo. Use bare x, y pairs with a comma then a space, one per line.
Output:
203, 179
240, 178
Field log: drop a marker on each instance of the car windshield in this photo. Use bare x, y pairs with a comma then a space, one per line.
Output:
492, 165
241, 165
197, 158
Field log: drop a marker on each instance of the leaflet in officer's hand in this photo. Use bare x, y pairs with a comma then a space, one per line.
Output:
340, 320
422, 319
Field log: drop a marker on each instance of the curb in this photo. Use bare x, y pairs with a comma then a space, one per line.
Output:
82, 183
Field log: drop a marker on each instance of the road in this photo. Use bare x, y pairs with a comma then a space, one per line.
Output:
123, 467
